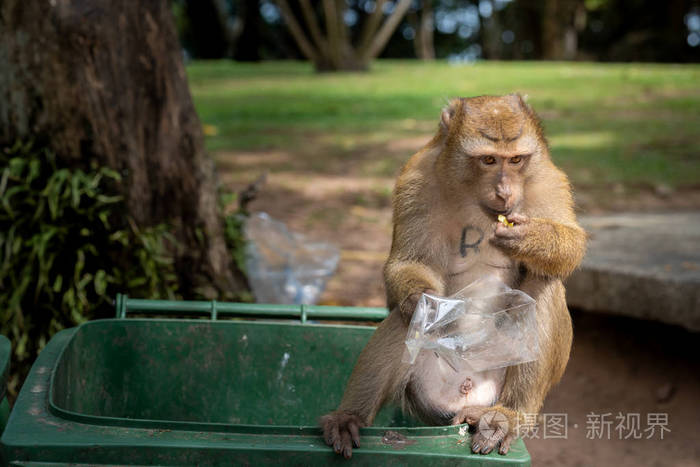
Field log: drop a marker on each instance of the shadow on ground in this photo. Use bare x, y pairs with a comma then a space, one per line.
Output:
621, 367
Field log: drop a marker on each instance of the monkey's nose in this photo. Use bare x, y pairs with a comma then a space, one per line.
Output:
503, 192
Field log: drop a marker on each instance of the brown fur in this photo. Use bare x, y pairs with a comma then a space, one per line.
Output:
468, 173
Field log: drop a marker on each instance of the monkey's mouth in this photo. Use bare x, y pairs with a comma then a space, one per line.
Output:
492, 211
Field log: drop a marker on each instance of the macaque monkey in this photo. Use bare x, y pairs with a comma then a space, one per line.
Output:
488, 158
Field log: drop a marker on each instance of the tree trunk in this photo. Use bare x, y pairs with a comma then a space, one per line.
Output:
551, 43
371, 25
559, 29
384, 34
305, 46
425, 28
491, 38
334, 51
100, 80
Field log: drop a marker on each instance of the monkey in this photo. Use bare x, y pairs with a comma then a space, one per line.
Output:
488, 158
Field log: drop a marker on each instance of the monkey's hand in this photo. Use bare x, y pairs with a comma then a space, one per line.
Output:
495, 426
408, 306
545, 246
341, 431
406, 281
508, 238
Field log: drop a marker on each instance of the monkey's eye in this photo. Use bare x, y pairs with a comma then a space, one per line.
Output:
516, 159
488, 160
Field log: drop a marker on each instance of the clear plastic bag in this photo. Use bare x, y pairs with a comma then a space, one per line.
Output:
486, 325
283, 266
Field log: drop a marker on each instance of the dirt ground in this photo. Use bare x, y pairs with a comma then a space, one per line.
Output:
618, 365
625, 366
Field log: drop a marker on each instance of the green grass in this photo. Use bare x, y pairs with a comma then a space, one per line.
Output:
631, 123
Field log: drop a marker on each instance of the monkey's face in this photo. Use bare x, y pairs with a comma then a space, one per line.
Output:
499, 180
490, 144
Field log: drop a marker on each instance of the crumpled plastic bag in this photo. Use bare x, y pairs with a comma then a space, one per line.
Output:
283, 266
486, 325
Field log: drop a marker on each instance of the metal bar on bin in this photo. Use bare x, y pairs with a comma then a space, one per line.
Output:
214, 309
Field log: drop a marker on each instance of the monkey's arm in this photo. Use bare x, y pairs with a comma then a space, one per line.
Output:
406, 280
374, 379
545, 246
416, 250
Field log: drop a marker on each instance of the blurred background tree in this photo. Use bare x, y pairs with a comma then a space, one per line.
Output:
460, 30
334, 50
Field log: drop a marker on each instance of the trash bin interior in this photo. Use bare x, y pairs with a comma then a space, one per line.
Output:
133, 371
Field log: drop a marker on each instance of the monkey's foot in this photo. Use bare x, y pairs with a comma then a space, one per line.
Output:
493, 428
341, 431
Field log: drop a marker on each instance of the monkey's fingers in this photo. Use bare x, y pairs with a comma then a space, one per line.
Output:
346, 443
341, 431
354, 433
478, 441
505, 444
335, 440
331, 432
518, 219
408, 306
493, 440
515, 232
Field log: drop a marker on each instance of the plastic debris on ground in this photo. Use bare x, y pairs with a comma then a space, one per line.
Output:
486, 325
283, 266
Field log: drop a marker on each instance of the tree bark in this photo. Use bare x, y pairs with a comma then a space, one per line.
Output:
335, 51
104, 81
347, 53
425, 32
297, 33
423, 22
333, 33
491, 38
313, 26
384, 34
372, 23
559, 32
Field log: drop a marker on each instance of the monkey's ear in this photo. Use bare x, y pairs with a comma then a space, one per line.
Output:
521, 100
448, 114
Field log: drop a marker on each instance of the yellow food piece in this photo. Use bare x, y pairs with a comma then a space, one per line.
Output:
502, 219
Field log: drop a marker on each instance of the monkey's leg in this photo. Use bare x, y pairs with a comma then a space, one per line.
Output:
526, 385
373, 381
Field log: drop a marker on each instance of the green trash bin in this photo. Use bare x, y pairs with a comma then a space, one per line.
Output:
211, 392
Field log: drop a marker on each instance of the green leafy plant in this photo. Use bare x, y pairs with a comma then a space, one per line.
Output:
233, 228
67, 247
